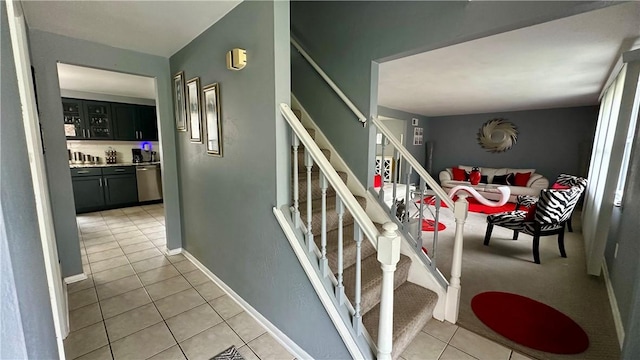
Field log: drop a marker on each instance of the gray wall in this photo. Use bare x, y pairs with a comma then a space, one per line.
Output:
26, 320
46, 51
227, 201
552, 141
344, 37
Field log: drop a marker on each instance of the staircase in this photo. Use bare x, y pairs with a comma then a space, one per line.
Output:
412, 304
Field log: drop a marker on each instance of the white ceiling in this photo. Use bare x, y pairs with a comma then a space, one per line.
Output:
152, 27
97, 81
561, 63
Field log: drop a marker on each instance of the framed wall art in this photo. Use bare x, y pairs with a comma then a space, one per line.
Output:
213, 119
179, 101
193, 109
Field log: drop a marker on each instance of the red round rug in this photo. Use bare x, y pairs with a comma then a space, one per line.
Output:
429, 225
529, 323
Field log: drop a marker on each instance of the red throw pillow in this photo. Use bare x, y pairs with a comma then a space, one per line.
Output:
557, 186
521, 179
531, 213
459, 174
377, 181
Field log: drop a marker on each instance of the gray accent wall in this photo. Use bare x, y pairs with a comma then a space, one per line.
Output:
227, 201
26, 320
348, 38
47, 50
552, 141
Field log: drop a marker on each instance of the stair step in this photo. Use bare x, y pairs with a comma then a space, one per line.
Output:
412, 308
301, 167
348, 247
332, 216
316, 192
372, 280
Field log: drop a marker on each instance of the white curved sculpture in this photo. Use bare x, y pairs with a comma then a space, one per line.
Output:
504, 192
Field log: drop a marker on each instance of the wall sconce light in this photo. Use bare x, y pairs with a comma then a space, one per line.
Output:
236, 59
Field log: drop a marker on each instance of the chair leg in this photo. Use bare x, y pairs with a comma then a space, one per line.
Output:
561, 243
569, 223
487, 235
515, 234
536, 248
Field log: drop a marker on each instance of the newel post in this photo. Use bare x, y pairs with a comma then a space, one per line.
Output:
388, 256
453, 291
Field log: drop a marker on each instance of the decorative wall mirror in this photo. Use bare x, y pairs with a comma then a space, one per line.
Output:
497, 135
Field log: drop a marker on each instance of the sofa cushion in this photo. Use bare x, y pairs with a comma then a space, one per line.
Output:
521, 179
459, 174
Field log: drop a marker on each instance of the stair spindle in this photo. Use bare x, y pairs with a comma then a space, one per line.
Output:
381, 194
340, 287
406, 196
420, 217
357, 316
434, 245
324, 262
296, 202
308, 162
394, 179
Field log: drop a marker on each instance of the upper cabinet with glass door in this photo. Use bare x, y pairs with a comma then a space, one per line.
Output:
74, 119
99, 120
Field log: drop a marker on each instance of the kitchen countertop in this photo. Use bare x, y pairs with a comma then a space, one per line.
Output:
73, 166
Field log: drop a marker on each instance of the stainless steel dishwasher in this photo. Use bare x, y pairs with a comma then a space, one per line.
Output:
149, 182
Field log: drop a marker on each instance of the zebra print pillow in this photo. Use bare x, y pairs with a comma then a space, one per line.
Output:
556, 206
570, 180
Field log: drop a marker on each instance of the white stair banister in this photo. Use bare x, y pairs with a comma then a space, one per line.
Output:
453, 292
388, 256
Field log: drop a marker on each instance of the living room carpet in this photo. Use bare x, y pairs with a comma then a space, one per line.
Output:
529, 322
475, 206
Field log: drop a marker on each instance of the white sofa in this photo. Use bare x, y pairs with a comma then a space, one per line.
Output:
536, 182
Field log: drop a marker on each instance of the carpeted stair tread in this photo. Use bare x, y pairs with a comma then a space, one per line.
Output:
332, 216
412, 308
301, 165
316, 191
372, 280
349, 247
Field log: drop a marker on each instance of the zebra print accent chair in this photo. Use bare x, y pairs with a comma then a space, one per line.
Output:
553, 209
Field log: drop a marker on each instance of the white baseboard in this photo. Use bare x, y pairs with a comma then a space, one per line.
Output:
283, 339
171, 252
617, 319
75, 278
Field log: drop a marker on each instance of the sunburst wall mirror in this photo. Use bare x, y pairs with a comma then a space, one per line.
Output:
497, 135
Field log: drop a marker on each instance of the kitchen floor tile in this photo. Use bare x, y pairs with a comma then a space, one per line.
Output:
131, 241
451, 353
196, 277
128, 234
209, 290
423, 347
82, 298
267, 348
176, 258
247, 353
440, 330
106, 254
85, 340
104, 353
160, 243
80, 285
185, 266
193, 322
109, 263
151, 263
168, 287
102, 247
210, 342
152, 224
123, 228
118, 287
132, 321
156, 235
172, 353
113, 274
478, 346
175, 304
91, 228
98, 240
226, 307
158, 274
124, 302
96, 234
84, 316
143, 254
132, 210
128, 249
246, 326
144, 343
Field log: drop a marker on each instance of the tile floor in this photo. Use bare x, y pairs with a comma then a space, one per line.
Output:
138, 303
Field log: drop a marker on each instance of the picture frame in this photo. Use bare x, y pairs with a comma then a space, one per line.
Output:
414, 121
193, 109
179, 102
418, 136
213, 119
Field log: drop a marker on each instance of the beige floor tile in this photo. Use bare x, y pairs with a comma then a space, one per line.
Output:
132, 210
84, 316
193, 322
85, 260
423, 347
159, 274
82, 298
118, 223
167, 287
148, 264
185, 266
127, 228
196, 277
478, 346
132, 241
124, 302
267, 348
160, 243
98, 240
86, 268
91, 228
85, 340
104, 353
156, 235
106, 254
128, 234
80, 285
128, 249
143, 254
441, 330
175, 304
210, 342
226, 307
247, 353
517, 356
172, 353
144, 343
118, 287
451, 353
246, 326
109, 264
132, 321
152, 225
111, 212
176, 258
96, 235
209, 290
116, 273
102, 247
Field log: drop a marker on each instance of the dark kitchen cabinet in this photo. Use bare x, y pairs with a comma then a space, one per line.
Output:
120, 189
74, 119
135, 122
88, 193
103, 188
99, 122
147, 123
